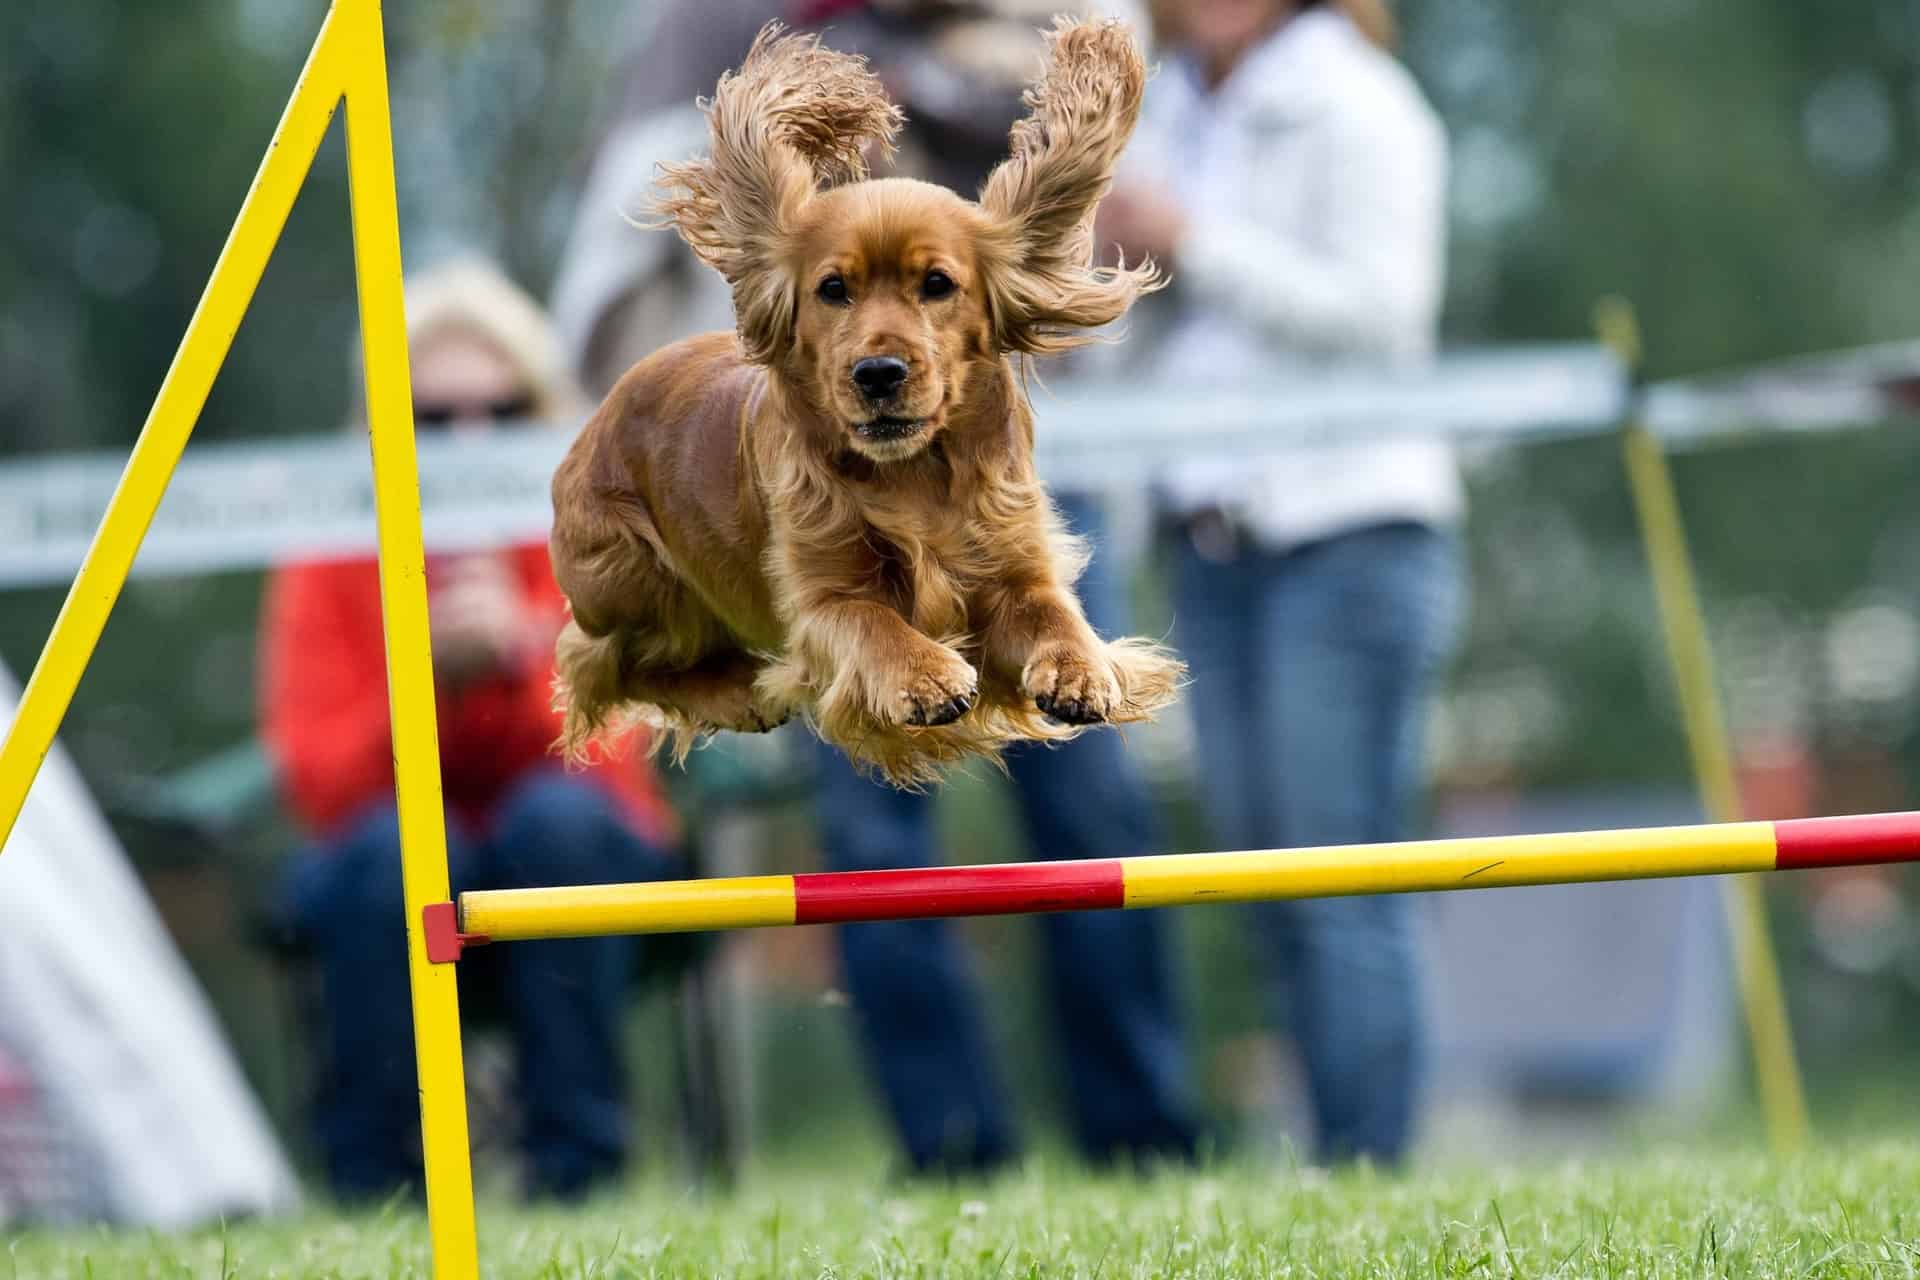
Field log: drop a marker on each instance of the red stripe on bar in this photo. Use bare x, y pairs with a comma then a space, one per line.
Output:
1846, 842
832, 897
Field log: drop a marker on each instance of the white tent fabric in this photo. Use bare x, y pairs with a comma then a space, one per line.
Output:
102, 1012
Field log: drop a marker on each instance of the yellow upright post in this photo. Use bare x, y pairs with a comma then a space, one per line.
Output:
403, 593
348, 59
1782, 1095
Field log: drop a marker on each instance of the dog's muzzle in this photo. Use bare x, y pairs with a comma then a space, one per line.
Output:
888, 428
879, 377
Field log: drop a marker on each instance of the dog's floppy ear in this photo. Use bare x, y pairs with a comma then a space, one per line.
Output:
1042, 287
796, 116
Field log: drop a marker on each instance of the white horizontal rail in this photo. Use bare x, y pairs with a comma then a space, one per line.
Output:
244, 506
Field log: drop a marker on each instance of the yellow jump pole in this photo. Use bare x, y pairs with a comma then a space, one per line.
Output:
403, 594
49, 690
1488, 862
1782, 1095
348, 60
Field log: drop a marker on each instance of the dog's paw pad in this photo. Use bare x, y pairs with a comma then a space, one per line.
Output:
945, 711
1067, 687
935, 698
1068, 710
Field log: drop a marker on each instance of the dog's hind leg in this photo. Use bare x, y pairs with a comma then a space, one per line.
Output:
639, 641
624, 597
716, 693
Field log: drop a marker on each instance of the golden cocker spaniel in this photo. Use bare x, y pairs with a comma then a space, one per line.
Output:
834, 512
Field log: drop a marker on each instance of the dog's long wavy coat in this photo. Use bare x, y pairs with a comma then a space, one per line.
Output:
834, 513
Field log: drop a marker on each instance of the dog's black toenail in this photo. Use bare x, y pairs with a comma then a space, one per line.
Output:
1068, 710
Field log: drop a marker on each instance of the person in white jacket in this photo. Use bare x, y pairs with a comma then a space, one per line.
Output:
1290, 175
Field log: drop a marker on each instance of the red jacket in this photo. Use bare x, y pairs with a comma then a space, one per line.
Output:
324, 696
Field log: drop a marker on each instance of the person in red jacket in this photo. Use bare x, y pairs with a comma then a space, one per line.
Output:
483, 359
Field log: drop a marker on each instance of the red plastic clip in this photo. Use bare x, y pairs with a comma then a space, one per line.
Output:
441, 923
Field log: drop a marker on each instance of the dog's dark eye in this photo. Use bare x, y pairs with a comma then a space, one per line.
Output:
834, 290
938, 284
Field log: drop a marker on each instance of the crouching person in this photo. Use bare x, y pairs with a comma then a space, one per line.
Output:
483, 360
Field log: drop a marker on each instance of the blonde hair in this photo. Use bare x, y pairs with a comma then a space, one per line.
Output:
472, 297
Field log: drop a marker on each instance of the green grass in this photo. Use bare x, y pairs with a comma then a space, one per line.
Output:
1841, 1212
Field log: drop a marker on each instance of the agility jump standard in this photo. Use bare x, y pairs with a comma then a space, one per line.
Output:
1169, 880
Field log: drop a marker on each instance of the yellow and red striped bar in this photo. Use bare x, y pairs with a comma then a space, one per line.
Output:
848, 897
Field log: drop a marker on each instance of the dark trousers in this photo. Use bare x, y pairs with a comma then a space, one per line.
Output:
563, 998
915, 993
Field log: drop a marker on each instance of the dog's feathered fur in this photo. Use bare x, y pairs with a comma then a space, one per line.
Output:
744, 535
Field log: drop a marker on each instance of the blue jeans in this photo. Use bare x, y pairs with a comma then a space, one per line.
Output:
1311, 672
918, 1001
563, 998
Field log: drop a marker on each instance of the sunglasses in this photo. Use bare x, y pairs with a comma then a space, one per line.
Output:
437, 414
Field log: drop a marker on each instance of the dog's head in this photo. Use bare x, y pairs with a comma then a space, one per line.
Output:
888, 305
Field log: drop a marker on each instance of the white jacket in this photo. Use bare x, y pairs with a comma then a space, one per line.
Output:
1314, 180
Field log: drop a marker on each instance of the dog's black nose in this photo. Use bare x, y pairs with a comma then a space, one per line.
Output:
879, 376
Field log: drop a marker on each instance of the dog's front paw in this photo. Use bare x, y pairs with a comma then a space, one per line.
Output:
940, 688
1071, 686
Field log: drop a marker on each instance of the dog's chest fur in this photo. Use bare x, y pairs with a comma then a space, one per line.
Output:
930, 569
933, 533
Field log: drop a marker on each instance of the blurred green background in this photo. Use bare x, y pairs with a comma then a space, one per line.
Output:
1744, 170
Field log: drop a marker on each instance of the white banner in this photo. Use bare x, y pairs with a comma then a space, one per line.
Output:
1809, 393
242, 506
237, 506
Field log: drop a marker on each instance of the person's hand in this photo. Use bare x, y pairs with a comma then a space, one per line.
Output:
1140, 219
478, 623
